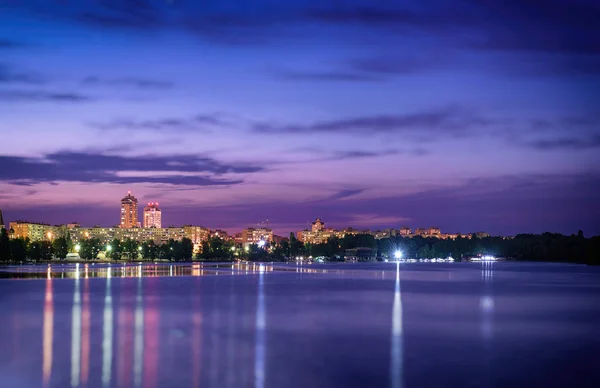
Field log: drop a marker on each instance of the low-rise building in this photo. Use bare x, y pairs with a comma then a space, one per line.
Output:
388, 233
34, 231
361, 254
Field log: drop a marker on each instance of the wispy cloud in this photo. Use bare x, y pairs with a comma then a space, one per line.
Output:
141, 83
566, 143
334, 76
9, 75
42, 96
11, 44
450, 121
198, 123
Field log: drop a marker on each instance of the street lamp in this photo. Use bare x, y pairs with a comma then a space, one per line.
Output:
77, 248
108, 248
397, 255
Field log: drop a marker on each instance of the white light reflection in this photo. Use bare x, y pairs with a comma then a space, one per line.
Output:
48, 331
138, 342
396, 366
107, 334
259, 356
76, 333
486, 303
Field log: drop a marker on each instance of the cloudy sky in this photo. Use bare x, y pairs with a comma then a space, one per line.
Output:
464, 114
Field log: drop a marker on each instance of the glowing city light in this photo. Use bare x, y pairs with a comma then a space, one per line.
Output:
261, 243
77, 248
108, 248
397, 254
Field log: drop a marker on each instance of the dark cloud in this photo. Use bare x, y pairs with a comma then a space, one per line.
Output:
343, 194
566, 143
9, 75
557, 26
10, 44
356, 154
96, 168
198, 123
335, 76
448, 122
141, 83
42, 96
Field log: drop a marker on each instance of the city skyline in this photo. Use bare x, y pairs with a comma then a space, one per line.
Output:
470, 116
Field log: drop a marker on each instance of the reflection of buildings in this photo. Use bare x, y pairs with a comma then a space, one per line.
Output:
129, 212
107, 334
48, 333
152, 216
76, 335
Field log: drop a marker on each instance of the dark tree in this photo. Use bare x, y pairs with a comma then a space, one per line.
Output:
149, 250
5, 255
19, 248
60, 246
217, 249
186, 249
116, 250
90, 248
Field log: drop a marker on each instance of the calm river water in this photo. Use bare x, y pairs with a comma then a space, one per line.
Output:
321, 325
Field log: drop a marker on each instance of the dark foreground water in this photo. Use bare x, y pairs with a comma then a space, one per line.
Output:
344, 325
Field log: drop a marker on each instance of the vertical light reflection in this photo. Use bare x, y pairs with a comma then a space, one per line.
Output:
396, 367
151, 341
76, 333
85, 343
48, 331
138, 344
259, 356
231, 350
486, 303
125, 340
196, 342
107, 334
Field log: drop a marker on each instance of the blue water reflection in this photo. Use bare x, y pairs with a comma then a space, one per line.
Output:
276, 325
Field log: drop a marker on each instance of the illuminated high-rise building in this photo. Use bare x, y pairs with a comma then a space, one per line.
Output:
1, 220
318, 226
152, 215
129, 212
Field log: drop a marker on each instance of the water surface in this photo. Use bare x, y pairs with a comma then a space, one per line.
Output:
321, 325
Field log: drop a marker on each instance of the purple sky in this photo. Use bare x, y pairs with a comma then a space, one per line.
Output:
468, 115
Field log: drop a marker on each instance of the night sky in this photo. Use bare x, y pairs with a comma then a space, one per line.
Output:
467, 115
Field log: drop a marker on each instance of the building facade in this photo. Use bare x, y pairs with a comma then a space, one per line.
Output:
33, 231
198, 234
152, 216
129, 212
258, 236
